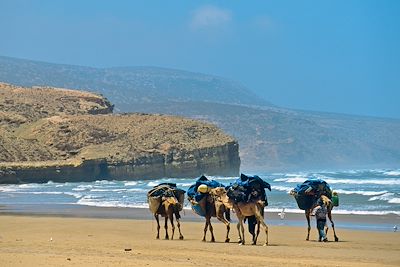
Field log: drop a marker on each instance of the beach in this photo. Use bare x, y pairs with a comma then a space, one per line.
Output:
86, 237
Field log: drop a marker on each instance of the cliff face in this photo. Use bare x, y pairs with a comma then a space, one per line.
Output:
221, 160
50, 134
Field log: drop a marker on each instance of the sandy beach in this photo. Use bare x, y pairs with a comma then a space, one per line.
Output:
52, 240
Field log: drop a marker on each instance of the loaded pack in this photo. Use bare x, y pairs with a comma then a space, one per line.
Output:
307, 193
248, 189
199, 190
156, 194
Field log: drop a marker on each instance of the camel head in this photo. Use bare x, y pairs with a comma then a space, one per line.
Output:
219, 193
292, 193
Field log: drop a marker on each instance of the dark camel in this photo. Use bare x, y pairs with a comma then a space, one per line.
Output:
166, 200
217, 206
329, 206
169, 207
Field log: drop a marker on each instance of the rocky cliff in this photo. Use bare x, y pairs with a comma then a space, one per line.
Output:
66, 135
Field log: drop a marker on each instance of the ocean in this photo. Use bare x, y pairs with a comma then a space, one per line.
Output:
373, 192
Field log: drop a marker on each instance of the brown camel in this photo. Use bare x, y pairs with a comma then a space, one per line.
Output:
213, 205
245, 210
167, 206
329, 205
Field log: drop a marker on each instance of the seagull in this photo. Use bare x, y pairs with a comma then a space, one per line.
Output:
282, 214
395, 228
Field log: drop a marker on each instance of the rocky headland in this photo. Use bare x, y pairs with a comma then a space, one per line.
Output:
66, 135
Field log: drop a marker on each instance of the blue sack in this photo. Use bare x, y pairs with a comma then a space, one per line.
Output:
197, 196
307, 193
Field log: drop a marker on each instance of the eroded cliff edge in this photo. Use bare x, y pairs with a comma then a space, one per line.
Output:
66, 135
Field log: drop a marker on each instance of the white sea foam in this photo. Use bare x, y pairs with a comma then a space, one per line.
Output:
136, 190
30, 186
360, 192
45, 193
389, 181
131, 183
339, 211
282, 188
291, 180
395, 200
110, 203
184, 184
389, 197
153, 183
392, 173
108, 190
366, 212
104, 182
83, 187
7, 189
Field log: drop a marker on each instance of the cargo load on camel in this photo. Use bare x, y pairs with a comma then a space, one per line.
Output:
248, 189
307, 193
199, 190
155, 195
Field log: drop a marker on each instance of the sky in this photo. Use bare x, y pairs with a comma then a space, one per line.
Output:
338, 56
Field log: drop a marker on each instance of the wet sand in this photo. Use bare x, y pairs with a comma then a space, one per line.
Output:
96, 240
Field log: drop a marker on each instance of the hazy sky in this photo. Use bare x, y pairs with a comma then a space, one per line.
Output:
337, 56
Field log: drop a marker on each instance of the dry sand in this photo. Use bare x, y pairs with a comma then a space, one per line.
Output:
64, 241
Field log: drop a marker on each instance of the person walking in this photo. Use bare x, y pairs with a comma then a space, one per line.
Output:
320, 213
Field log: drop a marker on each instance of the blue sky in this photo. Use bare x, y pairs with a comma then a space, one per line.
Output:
335, 56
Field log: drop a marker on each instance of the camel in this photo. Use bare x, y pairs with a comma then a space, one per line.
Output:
213, 205
329, 205
244, 210
307, 195
247, 210
167, 205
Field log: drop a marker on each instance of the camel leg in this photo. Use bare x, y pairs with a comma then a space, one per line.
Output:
333, 225
171, 218
255, 236
238, 228
211, 230
158, 226
220, 217
258, 232
179, 228
166, 228
260, 220
242, 230
205, 230
308, 212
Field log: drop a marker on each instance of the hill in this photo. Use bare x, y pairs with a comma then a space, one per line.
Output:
64, 135
270, 137
129, 85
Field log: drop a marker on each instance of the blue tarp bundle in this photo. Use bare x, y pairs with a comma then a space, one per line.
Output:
197, 196
247, 188
192, 191
308, 192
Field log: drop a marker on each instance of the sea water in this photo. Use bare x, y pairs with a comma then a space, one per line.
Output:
374, 192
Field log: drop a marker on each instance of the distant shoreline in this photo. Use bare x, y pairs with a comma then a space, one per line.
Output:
380, 223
